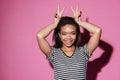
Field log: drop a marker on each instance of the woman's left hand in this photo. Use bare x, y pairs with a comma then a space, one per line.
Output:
76, 13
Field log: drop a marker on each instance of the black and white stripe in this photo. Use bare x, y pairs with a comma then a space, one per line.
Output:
69, 68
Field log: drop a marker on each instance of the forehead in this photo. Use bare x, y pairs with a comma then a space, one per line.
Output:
68, 28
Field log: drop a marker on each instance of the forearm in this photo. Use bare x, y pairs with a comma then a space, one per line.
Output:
44, 32
92, 28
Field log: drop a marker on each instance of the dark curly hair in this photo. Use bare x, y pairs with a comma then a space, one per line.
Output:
63, 21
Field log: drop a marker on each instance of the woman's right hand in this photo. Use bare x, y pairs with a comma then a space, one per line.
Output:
58, 15
44, 32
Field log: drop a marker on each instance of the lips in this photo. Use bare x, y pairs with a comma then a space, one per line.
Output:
70, 42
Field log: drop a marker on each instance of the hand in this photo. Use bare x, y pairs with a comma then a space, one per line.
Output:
76, 13
58, 15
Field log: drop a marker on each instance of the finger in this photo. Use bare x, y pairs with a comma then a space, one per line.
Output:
58, 9
80, 13
62, 11
77, 8
72, 10
55, 15
79, 16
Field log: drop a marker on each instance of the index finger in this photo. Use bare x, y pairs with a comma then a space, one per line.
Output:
72, 10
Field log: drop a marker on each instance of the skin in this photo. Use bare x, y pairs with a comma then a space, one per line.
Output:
68, 46
68, 37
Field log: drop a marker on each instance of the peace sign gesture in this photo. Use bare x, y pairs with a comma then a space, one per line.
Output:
58, 15
76, 13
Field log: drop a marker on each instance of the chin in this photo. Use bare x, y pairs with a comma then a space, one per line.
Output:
69, 45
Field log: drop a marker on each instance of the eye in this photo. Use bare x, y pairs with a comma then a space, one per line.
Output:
73, 33
63, 33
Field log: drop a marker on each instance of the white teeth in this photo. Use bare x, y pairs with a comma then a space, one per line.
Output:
69, 42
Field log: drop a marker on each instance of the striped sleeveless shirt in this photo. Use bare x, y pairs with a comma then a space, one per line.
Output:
69, 68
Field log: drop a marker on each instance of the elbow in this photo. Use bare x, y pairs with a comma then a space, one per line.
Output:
98, 30
39, 35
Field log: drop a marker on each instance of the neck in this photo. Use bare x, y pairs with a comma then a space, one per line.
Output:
65, 48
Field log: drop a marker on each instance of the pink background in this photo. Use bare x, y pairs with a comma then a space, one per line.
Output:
20, 20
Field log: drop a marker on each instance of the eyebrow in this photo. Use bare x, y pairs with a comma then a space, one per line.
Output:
68, 32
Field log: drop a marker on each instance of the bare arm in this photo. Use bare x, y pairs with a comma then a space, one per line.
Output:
93, 29
41, 38
44, 32
95, 35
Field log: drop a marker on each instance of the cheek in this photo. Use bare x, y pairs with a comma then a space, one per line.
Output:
73, 36
62, 37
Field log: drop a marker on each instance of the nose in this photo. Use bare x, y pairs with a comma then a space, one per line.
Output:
68, 36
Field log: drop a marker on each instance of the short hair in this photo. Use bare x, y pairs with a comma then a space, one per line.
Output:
63, 21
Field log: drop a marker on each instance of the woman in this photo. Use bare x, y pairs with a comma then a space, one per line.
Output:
68, 58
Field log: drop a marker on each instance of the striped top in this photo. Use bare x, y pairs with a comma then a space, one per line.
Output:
69, 68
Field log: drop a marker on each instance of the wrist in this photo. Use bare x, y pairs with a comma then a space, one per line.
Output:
78, 21
56, 21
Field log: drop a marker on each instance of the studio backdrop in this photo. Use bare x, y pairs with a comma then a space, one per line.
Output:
20, 20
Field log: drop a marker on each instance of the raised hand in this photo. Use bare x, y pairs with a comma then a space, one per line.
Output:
76, 13
58, 15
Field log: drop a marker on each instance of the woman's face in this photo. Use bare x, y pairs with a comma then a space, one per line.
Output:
67, 35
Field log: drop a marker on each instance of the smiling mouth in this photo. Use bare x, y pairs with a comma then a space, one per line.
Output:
69, 42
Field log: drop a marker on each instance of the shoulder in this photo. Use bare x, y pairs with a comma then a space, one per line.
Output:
53, 53
84, 50
84, 47
53, 49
